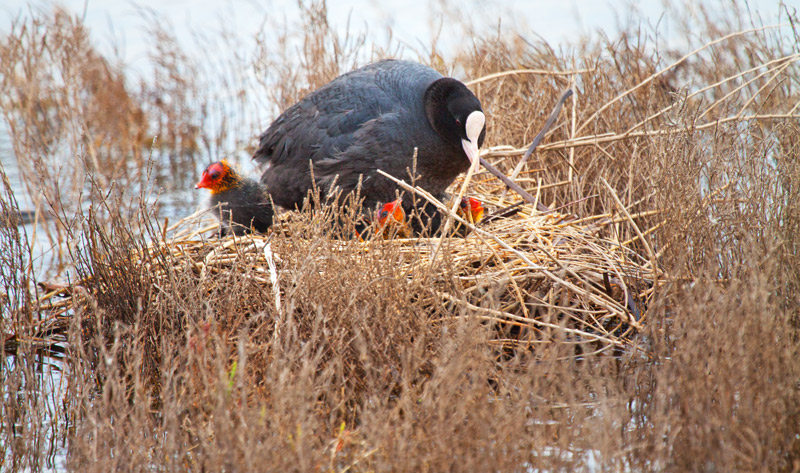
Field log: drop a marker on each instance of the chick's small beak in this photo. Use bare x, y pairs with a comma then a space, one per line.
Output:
204, 181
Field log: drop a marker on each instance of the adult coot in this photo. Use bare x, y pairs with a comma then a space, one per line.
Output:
370, 119
245, 203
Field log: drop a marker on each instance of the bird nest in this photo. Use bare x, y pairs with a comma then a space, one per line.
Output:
537, 277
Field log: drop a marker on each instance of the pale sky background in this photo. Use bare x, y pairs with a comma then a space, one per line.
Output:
119, 21
120, 27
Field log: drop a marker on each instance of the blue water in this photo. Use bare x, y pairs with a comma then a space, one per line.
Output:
171, 196
41, 247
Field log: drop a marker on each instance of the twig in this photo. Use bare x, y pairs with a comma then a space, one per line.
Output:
646, 244
536, 140
662, 71
514, 186
541, 72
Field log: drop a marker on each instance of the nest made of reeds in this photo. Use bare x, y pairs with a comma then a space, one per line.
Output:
537, 277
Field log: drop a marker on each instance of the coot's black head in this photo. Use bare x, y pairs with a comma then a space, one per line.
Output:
456, 115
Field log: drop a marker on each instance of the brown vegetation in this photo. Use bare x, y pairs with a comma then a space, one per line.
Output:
649, 324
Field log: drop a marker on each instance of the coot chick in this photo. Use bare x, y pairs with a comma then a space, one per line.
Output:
391, 220
392, 216
427, 219
471, 210
244, 202
369, 119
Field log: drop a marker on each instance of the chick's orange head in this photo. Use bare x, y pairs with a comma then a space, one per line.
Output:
471, 209
393, 209
218, 177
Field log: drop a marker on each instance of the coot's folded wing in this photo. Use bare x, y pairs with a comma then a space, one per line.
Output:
325, 122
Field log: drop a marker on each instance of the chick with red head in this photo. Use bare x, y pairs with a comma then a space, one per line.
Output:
391, 220
470, 209
245, 203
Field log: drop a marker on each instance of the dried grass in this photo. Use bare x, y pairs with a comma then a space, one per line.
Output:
648, 323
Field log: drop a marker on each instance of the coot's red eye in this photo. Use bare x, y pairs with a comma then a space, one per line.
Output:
458, 122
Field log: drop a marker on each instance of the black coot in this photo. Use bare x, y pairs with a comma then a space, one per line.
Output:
370, 119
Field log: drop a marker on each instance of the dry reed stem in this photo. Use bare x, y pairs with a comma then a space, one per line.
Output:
519, 247
653, 261
611, 137
540, 72
660, 72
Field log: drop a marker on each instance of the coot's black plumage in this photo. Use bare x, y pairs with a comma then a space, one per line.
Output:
244, 202
370, 119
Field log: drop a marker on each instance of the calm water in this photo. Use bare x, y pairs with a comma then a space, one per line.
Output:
44, 388
173, 196
40, 245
